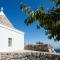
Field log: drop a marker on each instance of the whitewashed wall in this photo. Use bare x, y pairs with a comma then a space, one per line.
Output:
17, 39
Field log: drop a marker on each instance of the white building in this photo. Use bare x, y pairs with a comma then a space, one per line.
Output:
11, 39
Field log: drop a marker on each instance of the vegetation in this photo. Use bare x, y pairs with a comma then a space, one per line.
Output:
49, 20
39, 42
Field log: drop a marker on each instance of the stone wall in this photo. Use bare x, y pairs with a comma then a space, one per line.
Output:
29, 56
39, 47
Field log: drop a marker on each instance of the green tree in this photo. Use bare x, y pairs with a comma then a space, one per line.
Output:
49, 20
39, 42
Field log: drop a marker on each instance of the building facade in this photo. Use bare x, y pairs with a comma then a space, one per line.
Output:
11, 39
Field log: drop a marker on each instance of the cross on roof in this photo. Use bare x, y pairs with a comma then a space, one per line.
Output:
1, 8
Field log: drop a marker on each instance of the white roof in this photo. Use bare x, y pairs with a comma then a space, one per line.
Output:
6, 23
4, 20
15, 30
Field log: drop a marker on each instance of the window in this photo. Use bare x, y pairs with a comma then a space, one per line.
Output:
9, 42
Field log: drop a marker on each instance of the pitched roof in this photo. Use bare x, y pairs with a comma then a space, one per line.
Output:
4, 20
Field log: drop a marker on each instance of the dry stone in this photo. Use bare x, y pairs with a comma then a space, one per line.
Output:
28, 56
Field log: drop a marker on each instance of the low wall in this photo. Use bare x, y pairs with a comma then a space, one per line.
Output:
30, 55
39, 47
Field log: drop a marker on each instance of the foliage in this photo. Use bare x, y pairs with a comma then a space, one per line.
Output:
49, 20
39, 42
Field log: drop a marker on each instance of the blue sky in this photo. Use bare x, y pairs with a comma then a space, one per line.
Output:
17, 17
